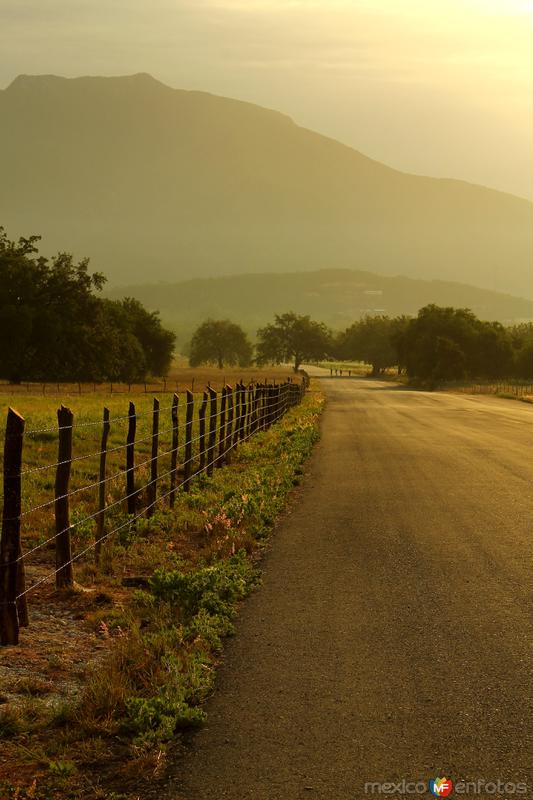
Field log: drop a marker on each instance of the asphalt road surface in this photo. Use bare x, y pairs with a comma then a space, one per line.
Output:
391, 636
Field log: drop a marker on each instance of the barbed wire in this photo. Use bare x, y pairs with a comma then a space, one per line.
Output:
121, 472
235, 431
116, 449
137, 516
92, 423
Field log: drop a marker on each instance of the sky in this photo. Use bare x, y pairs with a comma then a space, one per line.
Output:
436, 87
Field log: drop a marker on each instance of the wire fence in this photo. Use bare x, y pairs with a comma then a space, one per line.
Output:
211, 429
512, 388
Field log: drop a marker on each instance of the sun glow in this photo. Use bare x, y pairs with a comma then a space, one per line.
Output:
504, 7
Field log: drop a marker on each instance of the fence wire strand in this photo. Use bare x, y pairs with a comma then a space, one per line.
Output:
132, 519
268, 408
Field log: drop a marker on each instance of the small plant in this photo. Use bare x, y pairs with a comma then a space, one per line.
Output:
214, 589
62, 769
34, 687
10, 722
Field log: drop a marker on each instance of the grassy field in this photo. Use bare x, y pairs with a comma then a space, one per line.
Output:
41, 442
106, 675
180, 378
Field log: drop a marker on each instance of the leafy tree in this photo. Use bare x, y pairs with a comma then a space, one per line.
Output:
156, 342
220, 342
54, 327
493, 355
450, 361
371, 340
452, 343
292, 337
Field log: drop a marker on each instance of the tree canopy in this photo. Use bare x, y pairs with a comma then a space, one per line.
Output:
440, 344
220, 342
372, 340
452, 343
292, 338
54, 327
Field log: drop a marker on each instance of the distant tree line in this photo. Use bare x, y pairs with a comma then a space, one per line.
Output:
441, 344
54, 327
291, 338
438, 345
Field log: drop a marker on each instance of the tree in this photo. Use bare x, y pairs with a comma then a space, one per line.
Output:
450, 361
371, 340
292, 337
452, 343
54, 327
156, 342
220, 342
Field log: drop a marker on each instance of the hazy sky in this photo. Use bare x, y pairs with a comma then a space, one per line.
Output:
440, 87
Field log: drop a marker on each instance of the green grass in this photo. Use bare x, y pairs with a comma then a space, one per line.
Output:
40, 450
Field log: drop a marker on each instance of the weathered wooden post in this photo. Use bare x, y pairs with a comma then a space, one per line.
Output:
212, 431
237, 400
244, 408
11, 564
201, 438
174, 450
64, 573
187, 466
152, 486
268, 405
100, 519
250, 409
130, 459
255, 405
222, 432
229, 426
259, 410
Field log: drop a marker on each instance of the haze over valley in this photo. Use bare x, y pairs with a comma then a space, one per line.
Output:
165, 184
336, 297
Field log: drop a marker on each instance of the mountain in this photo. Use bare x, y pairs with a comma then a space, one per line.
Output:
337, 297
154, 182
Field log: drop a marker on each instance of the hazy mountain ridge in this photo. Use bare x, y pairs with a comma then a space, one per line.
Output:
337, 297
151, 181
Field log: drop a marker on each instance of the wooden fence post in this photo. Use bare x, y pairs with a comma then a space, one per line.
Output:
187, 466
64, 574
229, 426
222, 432
152, 486
100, 519
130, 459
174, 450
264, 410
22, 602
244, 411
255, 406
10, 547
250, 409
237, 410
268, 405
201, 437
212, 431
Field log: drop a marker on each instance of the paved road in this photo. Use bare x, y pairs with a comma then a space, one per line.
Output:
390, 638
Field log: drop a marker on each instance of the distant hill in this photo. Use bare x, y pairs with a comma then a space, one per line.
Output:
337, 297
153, 182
